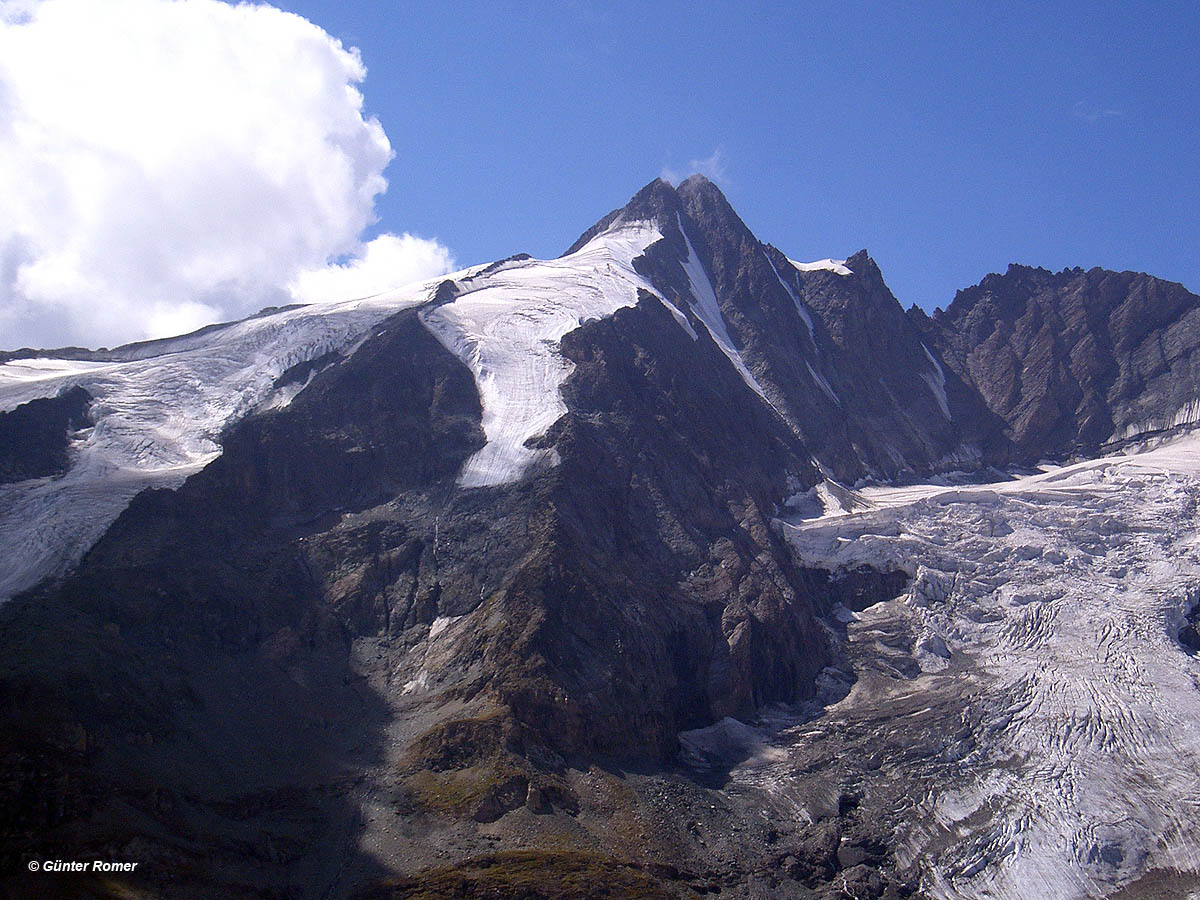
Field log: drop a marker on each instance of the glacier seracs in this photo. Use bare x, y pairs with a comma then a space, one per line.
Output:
1043, 615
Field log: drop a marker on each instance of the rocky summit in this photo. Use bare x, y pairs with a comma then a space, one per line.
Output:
670, 567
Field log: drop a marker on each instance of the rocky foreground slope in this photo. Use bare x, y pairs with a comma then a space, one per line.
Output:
549, 578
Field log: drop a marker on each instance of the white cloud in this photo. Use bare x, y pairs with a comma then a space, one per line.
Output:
386, 262
168, 163
711, 167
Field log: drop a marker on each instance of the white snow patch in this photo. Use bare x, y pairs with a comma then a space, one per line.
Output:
158, 413
709, 312
800, 307
838, 499
824, 499
283, 396
822, 383
837, 266
937, 383
507, 331
420, 683
440, 624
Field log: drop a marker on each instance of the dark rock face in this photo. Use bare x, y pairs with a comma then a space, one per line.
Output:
675, 470
188, 697
1074, 360
835, 355
905, 412
34, 437
861, 588
1189, 634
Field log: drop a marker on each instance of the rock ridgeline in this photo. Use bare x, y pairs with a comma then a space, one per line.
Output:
1073, 361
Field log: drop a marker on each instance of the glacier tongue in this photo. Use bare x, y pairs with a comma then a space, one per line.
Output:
157, 419
1043, 619
507, 330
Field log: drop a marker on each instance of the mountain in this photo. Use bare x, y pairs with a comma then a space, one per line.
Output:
538, 578
1074, 361
826, 344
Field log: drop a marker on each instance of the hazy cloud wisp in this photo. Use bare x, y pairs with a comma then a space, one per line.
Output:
168, 164
711, 167
1091, 112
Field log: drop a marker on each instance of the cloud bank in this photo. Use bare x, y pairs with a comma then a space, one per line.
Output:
383, 263
169, 163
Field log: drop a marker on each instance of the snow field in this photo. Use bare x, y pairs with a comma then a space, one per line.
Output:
157, 419
837, 266
507, 331
937, 383
707, 309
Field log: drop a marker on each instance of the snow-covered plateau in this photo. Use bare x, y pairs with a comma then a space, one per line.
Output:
158, 411
1030, 717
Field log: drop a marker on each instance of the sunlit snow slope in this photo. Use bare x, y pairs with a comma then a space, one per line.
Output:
837, 266
1043, 621
506, 327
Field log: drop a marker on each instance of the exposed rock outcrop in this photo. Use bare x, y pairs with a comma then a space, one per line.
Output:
35, 437
1075, 360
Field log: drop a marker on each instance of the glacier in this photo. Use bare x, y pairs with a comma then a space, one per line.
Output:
1042, 626
158, 411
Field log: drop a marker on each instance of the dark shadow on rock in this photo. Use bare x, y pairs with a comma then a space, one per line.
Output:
708, 755
859, 588
35, 437
190, 698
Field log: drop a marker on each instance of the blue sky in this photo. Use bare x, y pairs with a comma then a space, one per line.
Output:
165, 164
948, 138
